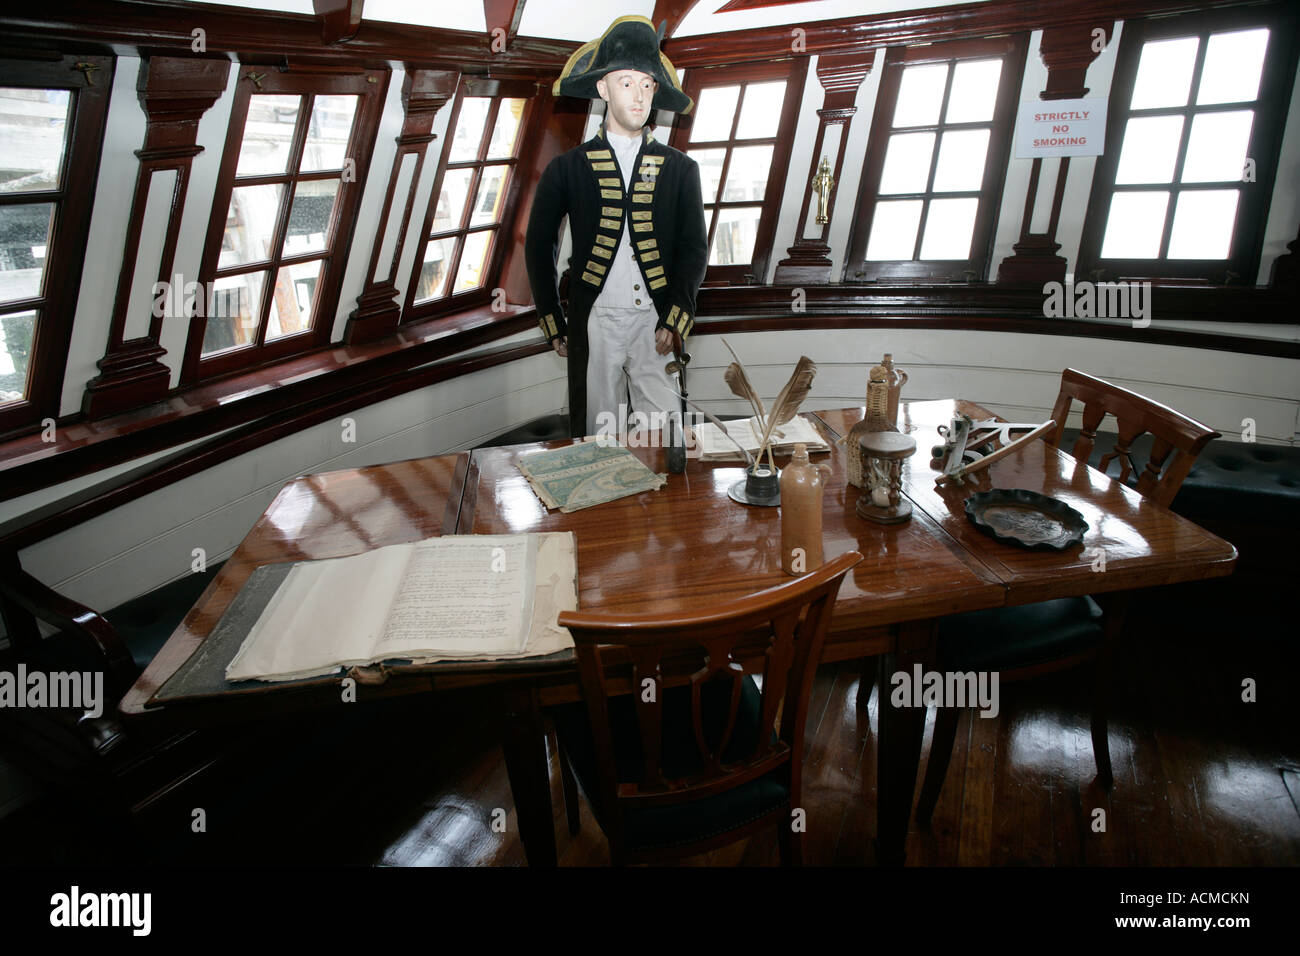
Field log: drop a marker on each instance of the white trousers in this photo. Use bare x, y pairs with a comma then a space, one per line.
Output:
622, 357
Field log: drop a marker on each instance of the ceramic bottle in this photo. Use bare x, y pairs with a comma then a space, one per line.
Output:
802, 487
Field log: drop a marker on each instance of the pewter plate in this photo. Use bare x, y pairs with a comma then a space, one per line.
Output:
1026, 518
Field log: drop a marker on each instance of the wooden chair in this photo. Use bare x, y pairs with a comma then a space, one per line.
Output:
678, 750
1023, 642
96, 763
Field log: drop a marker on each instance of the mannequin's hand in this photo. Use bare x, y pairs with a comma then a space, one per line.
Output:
663, 341
561, 344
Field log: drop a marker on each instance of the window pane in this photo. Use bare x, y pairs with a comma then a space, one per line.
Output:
893, 230
233, 311
907, 163
506, 131
1134, 226
309, 218
293, 300
714, 112
451, 201
747, 175
949, 227
961, 161
328, 132
1150, 149
33, 134
974, 91
250, 224
1203, 224
24, 237
491, 195
920, 94
734, 237
761, 113
469, 128
16, 334
1164, 74
473, 261
710, 161
1216, 148
268, 134
1233, 63
433, 273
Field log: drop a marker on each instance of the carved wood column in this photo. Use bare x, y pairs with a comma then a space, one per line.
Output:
1067, 52
840, 75
377, 314
175, 93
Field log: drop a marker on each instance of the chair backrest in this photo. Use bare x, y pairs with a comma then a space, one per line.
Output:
1135, 415
783, 626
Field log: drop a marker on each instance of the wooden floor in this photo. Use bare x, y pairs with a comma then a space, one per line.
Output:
1201, 777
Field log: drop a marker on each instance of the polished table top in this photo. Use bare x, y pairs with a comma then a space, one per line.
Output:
688, 545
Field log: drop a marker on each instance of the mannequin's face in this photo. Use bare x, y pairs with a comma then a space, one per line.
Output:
628, 94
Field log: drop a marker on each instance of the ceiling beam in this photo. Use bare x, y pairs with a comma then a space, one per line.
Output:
340, 19
504, 15
671, 12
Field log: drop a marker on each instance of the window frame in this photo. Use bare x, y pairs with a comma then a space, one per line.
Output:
795, 73
496, 89
74, 200
1013, 50
371, 87
1270, 108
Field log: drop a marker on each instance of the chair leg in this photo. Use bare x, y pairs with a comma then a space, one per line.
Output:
1100, 736
867, 680
936, 768
570, 785
791, 844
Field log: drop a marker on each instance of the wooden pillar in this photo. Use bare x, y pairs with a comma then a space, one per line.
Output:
808, 260
424, 92
175, 93
1067, 52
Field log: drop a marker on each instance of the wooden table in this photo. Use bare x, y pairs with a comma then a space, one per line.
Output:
689, 546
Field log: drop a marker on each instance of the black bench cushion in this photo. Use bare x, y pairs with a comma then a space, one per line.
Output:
1239, 481
1005, 638
676, 825
146, 622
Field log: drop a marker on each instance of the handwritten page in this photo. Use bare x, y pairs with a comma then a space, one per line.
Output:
470, 595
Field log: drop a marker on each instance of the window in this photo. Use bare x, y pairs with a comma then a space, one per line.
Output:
735, 134
936, 161
283, 217
473, 196
51, 125
1192, 140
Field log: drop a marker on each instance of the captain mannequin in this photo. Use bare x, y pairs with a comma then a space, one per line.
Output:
640, 245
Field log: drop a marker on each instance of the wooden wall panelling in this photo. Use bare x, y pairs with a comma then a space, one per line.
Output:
424, 92
175, 93
1067, 52
840, 75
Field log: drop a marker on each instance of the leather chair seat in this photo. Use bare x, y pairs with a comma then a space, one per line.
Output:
1007, 638
663, 827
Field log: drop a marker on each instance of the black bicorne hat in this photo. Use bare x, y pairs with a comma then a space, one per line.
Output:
630, 43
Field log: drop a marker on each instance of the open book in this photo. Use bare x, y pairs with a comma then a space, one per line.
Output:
715, 446
462, 597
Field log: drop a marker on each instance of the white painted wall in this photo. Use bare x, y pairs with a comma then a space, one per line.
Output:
1016, 375
149, 542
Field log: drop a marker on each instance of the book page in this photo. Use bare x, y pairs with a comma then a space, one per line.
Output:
326, 613
463, 596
